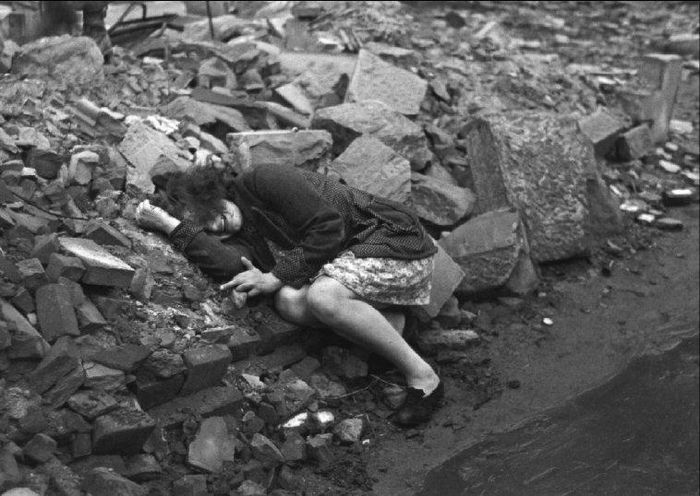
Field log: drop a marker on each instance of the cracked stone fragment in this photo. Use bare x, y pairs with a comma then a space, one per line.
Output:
374, 79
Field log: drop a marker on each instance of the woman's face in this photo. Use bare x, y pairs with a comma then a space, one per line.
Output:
228, 221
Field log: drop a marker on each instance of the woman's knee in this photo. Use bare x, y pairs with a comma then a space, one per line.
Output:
325, 297
290, 303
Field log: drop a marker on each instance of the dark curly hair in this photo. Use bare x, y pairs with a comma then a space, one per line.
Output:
197, 193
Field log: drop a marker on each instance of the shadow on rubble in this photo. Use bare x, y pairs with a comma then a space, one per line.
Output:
636, 434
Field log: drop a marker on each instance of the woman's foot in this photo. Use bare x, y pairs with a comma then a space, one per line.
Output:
419, 405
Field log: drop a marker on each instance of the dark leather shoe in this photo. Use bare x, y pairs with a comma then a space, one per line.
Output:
418, 408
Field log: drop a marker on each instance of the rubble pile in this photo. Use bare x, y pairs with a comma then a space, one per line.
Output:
124, 370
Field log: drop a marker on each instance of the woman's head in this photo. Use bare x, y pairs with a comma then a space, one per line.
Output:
201, 195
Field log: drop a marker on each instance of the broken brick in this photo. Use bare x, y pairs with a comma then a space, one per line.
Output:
122, 431
602, 129
635, 143
206, 366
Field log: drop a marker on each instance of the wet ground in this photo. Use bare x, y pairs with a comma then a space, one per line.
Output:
636, 435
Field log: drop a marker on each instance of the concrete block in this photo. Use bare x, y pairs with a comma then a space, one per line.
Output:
348, 121
298, 148
488, 248
635, 143
62, 266
542, 165
206, 366
602, 129
102, 268
439, 202
54, 308
374, 79
122, 431
152, 391
447, 275
371, 166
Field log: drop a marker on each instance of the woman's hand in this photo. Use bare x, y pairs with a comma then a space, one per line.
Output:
253, 281
155, 218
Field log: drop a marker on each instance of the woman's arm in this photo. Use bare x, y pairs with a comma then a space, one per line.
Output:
218, 260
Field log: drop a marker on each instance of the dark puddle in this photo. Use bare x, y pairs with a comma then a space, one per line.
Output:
635, 435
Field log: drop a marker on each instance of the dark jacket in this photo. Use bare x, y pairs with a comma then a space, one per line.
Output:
311, 218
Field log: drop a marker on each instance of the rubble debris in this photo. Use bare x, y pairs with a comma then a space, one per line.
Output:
145, 148
71, 60
348, 121
281, 148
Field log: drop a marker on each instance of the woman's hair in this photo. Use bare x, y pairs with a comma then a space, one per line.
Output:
199, 191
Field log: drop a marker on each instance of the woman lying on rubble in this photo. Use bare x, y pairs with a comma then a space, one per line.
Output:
342, 258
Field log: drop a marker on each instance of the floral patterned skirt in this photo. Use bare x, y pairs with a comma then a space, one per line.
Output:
383, 280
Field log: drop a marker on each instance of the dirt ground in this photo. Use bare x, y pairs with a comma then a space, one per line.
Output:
645, 303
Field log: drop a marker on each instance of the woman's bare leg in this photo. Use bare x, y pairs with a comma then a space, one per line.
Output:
339, 308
